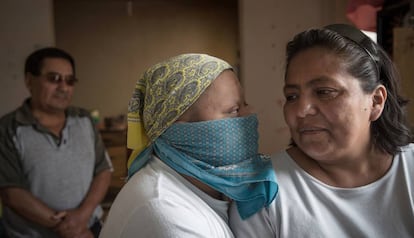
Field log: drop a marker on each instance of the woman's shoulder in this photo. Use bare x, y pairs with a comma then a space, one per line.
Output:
408, 147
407, 154
283, 161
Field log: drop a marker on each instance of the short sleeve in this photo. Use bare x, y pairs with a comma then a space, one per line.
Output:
102, 159
11, 169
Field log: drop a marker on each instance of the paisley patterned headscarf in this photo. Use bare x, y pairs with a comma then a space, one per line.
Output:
164, 93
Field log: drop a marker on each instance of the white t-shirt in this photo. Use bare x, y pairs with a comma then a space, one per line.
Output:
306, 207
158, 202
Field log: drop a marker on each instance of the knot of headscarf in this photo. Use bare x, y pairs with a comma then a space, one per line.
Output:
164, 92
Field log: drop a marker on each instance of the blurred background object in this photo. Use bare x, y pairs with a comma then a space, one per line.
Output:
116, 123
363, 13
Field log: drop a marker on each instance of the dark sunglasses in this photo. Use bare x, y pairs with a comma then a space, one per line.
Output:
56, 78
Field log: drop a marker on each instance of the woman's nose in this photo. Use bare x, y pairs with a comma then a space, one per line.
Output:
306, 107
246, 110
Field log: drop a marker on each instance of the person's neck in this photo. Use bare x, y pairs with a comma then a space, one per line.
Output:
347, 172
205, 188
52, 120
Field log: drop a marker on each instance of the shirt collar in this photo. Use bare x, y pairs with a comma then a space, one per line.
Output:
24, 114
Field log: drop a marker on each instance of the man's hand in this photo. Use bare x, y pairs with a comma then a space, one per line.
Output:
58, 216
24, 203
74, 224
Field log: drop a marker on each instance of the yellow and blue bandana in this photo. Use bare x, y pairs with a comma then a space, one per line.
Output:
164, 93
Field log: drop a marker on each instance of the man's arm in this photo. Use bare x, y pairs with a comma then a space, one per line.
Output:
77, 219
28, 206
97, 191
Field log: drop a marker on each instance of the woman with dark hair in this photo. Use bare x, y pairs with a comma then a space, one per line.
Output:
349, 171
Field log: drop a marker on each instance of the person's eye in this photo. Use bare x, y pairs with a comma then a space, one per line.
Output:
234, 111
291, 97
71, 80
53, 78
327, 93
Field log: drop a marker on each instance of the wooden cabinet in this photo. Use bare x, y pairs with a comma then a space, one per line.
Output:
115, 143
404, 57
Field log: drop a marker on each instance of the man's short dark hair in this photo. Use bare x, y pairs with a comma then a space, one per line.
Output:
34, 61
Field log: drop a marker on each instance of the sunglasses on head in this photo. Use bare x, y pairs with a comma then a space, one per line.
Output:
57, 78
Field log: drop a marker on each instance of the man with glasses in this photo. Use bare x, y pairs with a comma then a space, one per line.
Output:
54, 168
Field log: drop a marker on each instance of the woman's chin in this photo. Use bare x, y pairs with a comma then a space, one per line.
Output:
315, 150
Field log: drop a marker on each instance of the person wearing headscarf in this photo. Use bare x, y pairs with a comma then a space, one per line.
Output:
195, 148
349, 171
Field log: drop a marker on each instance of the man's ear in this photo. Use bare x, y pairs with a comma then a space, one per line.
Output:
28, 81
379, 96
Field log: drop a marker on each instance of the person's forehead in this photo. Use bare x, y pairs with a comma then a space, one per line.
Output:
53, 63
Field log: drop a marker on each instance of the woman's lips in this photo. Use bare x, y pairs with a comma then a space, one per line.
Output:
311, 130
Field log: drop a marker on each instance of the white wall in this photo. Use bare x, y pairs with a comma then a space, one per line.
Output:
25, 25
265, 28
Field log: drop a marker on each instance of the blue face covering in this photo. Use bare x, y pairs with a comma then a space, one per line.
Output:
222, 154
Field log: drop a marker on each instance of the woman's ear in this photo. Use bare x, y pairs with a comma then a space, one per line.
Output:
379, 96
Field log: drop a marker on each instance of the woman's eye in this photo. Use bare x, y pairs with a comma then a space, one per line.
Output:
235, 111
291, 97
327, 93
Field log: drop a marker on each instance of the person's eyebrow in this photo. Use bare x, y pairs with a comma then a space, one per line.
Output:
313, 82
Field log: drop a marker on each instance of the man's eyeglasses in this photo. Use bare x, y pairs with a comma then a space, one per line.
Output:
56, 78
